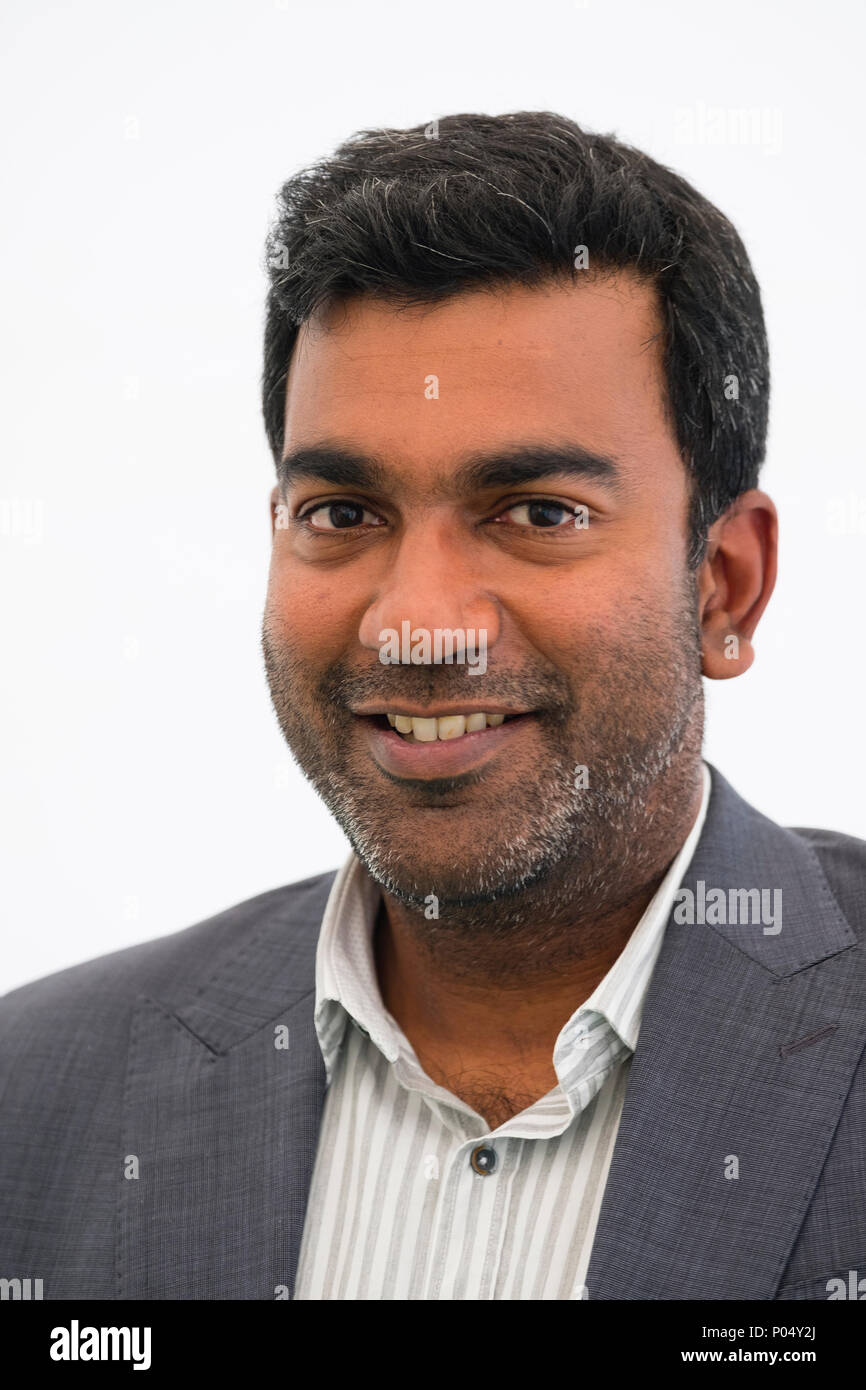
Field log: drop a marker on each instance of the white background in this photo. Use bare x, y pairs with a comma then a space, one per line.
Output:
145, 781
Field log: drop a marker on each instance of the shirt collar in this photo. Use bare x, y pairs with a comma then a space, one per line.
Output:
347, 985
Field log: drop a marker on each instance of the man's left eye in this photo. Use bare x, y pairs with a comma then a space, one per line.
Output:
539, 513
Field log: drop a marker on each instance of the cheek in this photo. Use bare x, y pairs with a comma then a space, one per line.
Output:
580, 621
561, 614
308, 610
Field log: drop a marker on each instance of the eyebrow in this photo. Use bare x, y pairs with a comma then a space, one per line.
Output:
522, 463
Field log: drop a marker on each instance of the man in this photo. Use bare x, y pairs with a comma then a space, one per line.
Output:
574, 1020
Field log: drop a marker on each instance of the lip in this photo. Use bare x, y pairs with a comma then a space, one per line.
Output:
438, 712
444, 757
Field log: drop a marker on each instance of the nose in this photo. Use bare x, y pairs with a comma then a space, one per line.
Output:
433, 582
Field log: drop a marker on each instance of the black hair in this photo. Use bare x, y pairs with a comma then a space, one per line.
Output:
418, 215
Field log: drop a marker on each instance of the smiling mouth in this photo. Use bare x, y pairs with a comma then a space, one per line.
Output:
441, 728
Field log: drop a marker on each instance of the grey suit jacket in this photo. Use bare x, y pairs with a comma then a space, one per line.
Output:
157, 1137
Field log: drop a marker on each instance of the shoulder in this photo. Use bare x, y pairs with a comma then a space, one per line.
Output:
843, 860
825, 868
100, 993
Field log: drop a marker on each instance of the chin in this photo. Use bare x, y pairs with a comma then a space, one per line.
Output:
416, 884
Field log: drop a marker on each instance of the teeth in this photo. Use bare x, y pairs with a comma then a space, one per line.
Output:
452, 727
448, 727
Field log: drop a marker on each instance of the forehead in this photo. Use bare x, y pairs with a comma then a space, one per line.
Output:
579, 362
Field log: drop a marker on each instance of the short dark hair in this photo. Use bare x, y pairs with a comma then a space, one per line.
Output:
418, 215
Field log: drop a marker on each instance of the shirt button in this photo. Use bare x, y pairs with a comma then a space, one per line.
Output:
483, 1160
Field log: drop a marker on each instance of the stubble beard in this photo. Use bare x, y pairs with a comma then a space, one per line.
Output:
553, 852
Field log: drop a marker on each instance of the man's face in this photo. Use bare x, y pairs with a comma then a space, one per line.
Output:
577, 578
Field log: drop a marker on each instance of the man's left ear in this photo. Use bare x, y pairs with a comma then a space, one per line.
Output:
735, 582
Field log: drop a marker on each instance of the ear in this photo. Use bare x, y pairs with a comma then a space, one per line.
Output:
735, 582
276, 501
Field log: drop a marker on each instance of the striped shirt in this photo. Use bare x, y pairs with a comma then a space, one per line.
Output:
402, 1205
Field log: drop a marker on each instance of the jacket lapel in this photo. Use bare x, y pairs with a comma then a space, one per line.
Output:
223, 1104
748, 1043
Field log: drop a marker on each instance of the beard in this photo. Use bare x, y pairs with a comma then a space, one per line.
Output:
530, 846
